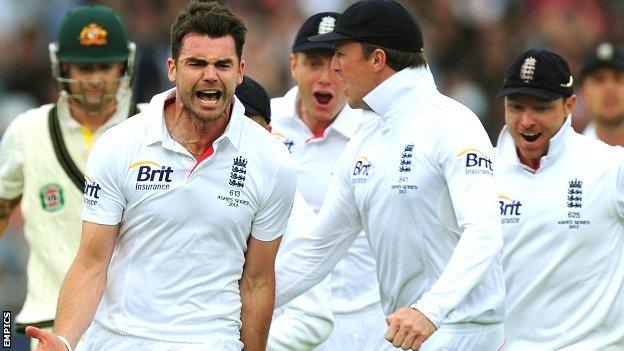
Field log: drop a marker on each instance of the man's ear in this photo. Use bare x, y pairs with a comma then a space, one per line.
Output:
378, 59
171, 67
569, 104
241, 71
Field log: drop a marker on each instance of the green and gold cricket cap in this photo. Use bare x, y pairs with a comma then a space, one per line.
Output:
92, 33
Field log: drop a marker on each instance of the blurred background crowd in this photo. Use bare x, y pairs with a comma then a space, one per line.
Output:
469, 44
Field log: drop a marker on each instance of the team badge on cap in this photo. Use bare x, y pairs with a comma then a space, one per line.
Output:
527, 69
326, 25
605, 51
93, 34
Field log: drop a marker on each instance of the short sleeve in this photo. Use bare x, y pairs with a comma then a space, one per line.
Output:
11, 161
271, 219
104, 200
619, 189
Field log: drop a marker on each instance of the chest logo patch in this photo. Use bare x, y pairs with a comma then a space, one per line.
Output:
51, 196
509, 209
406, 158
575, 193
360, 170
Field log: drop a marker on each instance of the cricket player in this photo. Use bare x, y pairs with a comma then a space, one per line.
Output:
307, 321
602, 93
562, 208
419, 182
315, 123
185, 205
44, 151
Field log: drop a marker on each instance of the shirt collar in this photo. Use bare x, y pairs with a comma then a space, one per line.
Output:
124, 98
385, 96
157, 130
346, 123
509, 155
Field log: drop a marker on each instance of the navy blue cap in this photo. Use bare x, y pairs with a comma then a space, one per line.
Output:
538, 73
384, 23
321, 23
255, 99
606, 55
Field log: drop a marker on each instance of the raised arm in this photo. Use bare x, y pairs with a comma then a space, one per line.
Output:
257, 290
82, 288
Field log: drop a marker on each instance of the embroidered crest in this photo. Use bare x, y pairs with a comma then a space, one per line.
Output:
326, 25
527, 69
406, 158
51, 196
239, 170
93, 34
575, 193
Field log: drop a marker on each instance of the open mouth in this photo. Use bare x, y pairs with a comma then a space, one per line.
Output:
208, 96
323, 98
530, 137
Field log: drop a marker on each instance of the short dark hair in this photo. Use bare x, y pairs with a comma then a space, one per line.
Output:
396, 59
210, 18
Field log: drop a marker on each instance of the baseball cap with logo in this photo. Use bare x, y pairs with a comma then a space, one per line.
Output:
384, 23
92, 33
606, 55
538, 73
320, 23
255, 99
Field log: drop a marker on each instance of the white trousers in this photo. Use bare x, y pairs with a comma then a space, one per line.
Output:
361, 331
466, 337
98, 338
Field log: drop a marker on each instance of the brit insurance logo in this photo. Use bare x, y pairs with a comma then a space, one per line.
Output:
152, 176
476, 162
361, 168
509, 209
51, 196
91, 191
289, 143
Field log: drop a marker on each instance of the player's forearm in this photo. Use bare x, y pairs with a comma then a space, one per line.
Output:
80, 295
257, 296
6, 210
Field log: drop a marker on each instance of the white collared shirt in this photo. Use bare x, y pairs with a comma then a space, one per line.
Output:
563, 257
353, 282
183, 227
420, 183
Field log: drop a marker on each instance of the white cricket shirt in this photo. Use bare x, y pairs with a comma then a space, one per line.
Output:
305, 322
51, 204
183, 235
563, 257
353, 282
420, 184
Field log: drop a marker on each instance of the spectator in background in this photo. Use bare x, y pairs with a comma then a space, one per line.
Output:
315, 123
304, 323
44, 151
562, 208
602, 93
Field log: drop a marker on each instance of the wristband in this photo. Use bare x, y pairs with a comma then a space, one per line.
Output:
64, 340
